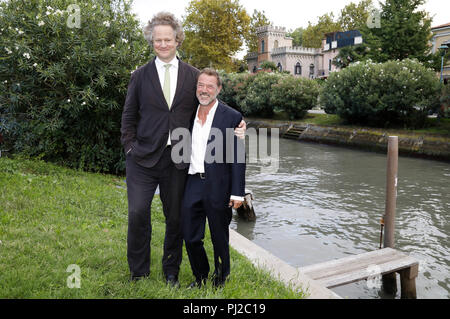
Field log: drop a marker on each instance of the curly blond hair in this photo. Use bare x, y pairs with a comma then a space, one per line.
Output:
164, 18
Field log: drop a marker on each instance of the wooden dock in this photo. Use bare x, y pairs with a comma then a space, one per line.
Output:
364, 266
321, 277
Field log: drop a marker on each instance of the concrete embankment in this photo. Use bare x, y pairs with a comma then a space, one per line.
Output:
280, 270
410, 144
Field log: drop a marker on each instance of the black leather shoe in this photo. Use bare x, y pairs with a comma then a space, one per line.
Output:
134, 278
218, 282
172, 281
197, 284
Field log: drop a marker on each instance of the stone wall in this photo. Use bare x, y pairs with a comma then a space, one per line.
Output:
426, 146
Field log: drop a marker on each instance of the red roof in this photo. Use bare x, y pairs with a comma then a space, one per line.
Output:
441, 26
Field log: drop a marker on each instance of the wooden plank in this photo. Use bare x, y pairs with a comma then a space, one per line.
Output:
354, 268
359, 265
350, 263
370, 271
351, 258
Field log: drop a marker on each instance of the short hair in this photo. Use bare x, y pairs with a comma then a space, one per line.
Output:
164, 18
211, 72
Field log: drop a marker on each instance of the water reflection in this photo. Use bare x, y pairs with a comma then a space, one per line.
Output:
326, 202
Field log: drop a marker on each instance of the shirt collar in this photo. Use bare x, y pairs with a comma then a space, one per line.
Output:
210, 113
160, 63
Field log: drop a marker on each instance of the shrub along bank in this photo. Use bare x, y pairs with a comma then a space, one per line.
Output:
394, 93
265, 93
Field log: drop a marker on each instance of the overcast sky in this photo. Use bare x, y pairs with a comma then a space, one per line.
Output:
286, 13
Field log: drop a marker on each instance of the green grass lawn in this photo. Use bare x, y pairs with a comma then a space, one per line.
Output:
52, 217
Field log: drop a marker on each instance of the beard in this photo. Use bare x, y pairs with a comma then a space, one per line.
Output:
206, 99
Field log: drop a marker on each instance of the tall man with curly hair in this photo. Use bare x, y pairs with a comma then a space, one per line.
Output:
161, 98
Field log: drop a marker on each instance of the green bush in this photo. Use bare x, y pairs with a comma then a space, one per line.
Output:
295, 96
257, 100
234, 88
444, 109
64, 75
394, 93
262, 93
269, 65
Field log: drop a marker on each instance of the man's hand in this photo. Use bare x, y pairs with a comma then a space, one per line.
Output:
240, 130
235, 203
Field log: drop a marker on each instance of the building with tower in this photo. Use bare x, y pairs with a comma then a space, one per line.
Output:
441, 35
275, 46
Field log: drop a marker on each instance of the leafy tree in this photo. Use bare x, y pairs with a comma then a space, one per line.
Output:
64, 71
297, 37
257, 20
313, 35
349, 54
433, 60
354, 16
444, 108
215, 30
404, 32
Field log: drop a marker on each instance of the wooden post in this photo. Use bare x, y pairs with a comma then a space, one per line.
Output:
408, 282
389, 280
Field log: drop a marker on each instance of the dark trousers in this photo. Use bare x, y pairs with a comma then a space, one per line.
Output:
141, 186
195, 208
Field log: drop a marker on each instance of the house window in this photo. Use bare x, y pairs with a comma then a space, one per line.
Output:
311, 70
280, 67
262, 46
298, 68
329, 65
275, 44
254, 69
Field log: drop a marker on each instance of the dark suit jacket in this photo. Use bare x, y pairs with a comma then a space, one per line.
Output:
146, 118
226, 175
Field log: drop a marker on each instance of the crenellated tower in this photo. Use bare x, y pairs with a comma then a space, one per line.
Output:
269, 38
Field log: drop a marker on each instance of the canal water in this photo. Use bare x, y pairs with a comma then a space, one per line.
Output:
325, 202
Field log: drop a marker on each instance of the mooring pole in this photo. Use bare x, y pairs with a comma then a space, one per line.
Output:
389, 280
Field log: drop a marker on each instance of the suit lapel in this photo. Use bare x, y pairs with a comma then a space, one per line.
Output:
217, 116
218, 119
153, 79
217, 123
180, 82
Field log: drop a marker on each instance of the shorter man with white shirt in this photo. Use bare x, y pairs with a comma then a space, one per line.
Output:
215, 183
